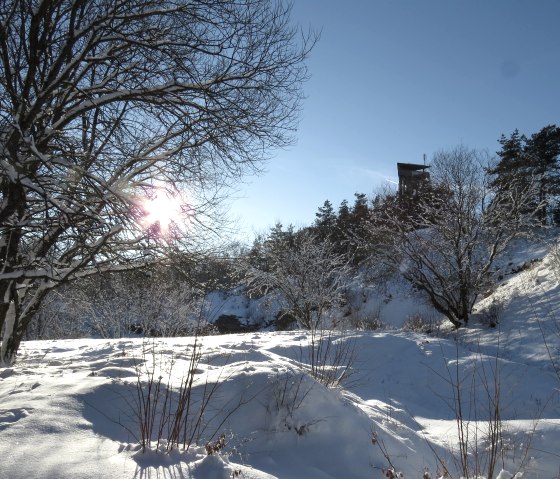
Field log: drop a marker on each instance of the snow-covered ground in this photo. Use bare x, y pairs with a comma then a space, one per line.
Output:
67, 408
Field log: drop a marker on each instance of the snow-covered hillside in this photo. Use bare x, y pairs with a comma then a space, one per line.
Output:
68, 408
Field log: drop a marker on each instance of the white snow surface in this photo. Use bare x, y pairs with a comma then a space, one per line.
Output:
67, 407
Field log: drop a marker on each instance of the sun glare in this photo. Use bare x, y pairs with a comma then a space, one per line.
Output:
163, 211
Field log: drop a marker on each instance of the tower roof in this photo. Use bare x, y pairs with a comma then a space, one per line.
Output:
411, 167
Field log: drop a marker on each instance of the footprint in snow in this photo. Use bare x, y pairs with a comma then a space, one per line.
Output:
11, 416
25, 388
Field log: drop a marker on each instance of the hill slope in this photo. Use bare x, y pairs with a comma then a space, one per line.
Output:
69, 408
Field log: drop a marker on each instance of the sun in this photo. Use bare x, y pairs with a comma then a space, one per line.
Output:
162, 211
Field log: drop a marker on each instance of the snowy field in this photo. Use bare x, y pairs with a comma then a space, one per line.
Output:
69, 408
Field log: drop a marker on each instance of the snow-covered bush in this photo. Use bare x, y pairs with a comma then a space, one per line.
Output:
419, 324
305, 275
307, 278
60, 317
366, 323
149, 303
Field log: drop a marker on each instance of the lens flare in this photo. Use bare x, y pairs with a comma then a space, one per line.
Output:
162, 212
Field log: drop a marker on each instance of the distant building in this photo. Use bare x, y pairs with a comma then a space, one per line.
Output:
412, 178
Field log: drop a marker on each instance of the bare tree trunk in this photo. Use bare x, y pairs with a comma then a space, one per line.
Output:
10, 343
16, 314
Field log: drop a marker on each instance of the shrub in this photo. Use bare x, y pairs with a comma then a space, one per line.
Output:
493, 314
288, 392
366, 322
371, 323
330, 355
418, 324
168, 409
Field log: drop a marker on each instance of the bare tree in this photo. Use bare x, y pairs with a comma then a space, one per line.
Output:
305, 275
308, 277
102, 101
448, 246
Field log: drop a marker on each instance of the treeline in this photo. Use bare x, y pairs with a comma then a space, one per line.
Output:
443, 236
522, 163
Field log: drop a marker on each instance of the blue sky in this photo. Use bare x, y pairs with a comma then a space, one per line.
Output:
392, 80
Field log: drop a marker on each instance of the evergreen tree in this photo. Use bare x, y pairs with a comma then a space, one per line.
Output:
325, 221
277, 239
511, 161
280, 237
530, 163
360, 210
542, 153
358, 231
343, 219
340, 237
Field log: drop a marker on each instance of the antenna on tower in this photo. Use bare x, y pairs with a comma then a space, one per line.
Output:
424, 159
